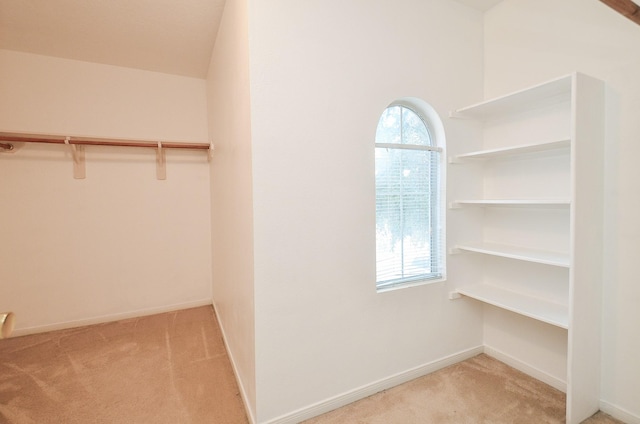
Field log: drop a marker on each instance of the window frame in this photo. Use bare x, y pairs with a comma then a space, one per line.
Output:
435, 129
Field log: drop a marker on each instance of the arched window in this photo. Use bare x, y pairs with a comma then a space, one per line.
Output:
409, 195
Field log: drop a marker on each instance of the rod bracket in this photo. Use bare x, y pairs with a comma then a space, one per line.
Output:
10, 147
77, 151
6, 147
161, 163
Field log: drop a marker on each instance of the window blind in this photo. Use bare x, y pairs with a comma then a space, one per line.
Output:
408, 229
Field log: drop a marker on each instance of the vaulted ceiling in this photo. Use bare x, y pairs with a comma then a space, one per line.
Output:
169, 36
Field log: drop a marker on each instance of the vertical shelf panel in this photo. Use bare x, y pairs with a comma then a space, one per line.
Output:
583, 392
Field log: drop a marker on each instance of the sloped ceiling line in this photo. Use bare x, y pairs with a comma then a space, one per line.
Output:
168, 36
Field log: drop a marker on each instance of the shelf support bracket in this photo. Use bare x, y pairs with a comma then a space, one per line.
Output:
456, 115
161, 163
455, 251
454, 295
211, 151
77, 151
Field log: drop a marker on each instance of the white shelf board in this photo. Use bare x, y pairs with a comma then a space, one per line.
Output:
532, 307
519, 253
544, 94
516, 150
525, 203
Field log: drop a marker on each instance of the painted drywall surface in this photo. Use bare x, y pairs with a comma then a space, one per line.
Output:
321, 75
231, 193
60, 96
529, 41
120, 242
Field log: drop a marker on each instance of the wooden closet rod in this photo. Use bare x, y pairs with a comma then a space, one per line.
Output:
76, 144
627, 8
85, 141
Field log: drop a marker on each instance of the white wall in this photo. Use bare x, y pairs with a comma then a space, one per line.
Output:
530, 41
119, 243
232, 193
321, 75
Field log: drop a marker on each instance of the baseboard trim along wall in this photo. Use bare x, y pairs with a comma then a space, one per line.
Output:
373, 388
526, 368
110, 318
243, 392
619, 413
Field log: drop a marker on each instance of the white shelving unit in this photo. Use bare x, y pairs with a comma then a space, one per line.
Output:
515, 150
539, 309
527, 203
536, 193
545, 257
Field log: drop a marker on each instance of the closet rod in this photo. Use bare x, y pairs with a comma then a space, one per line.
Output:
22, 138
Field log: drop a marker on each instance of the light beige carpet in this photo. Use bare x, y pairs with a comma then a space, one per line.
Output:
173, 369
478, 390
170, 368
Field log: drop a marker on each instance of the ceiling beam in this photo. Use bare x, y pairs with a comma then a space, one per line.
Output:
626, 7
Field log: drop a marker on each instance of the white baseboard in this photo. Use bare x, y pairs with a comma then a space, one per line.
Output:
526, 368
619, 413
109, 318
243, 392
373, 388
